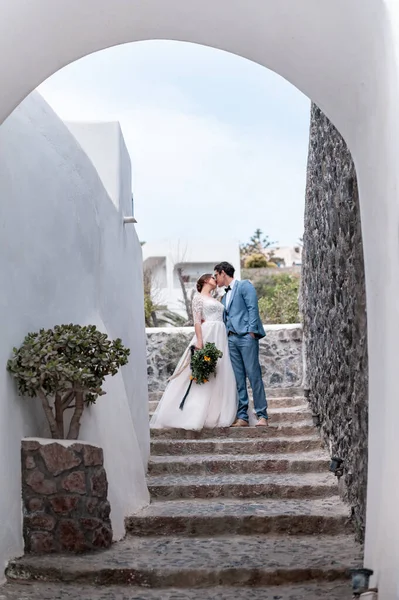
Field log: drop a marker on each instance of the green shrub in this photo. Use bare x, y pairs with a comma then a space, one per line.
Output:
256, 261
279, 304
66, 368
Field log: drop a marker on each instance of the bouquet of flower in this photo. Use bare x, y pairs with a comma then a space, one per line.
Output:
203, 365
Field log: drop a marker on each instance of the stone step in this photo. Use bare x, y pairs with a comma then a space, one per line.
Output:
284, 415
239, 517
54, 591
235, 445
283, 429
293, 392
203, 464
182, 562
272, 403
289, 413
305, 485
285, 392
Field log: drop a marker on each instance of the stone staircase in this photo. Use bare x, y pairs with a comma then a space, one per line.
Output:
248, 513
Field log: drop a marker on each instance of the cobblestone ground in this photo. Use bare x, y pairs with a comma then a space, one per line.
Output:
266, 523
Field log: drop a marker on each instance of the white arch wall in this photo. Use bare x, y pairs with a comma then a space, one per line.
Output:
380, 210
324, 48
344, 56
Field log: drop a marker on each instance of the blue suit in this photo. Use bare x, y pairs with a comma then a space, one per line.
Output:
241, 318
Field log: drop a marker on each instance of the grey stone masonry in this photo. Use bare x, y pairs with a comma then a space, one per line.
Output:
280, 354
334, 308
64, 494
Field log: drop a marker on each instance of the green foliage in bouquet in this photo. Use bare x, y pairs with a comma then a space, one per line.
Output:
66, 368
203, 363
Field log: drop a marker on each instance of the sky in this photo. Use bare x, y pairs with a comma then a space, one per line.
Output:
218, 143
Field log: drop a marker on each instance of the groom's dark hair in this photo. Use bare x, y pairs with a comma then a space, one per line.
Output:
226, 267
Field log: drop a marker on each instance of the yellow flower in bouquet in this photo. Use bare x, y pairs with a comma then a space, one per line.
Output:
204, 362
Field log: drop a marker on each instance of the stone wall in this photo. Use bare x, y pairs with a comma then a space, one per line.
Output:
280, 355
334, 307
64, 494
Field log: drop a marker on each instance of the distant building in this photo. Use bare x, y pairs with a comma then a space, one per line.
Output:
164, 258
290, 255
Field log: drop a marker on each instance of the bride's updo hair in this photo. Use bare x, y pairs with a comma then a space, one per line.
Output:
203, 280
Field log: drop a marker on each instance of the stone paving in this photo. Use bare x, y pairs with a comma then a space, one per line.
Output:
44, 591
243, 514
250, 445
241, 517
202, 464
191, 561
299, 429
233, 485
275, 402
281, 415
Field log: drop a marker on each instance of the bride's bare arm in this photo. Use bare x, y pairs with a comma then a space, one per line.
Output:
198, 335
198, 318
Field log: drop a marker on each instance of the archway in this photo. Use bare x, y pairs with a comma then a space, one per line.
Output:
341, 56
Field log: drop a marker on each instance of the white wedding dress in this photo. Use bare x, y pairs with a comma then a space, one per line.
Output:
212, 404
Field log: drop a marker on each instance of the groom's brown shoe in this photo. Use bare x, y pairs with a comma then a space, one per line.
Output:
262, 422
240, 423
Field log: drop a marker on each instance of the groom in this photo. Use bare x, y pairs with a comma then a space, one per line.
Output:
244, 329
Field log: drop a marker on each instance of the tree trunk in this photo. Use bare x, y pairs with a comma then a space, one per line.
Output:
74, 427
68, 398
59, 414
187, 302
55, 434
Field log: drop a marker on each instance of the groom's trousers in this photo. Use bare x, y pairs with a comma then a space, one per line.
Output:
244, 356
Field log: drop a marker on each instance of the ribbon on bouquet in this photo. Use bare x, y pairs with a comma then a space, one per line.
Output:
192, 350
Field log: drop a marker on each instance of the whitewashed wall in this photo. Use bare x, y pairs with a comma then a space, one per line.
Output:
121, 295
65, 256
344, 55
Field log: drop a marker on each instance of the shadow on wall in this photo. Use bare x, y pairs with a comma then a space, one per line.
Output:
334, 308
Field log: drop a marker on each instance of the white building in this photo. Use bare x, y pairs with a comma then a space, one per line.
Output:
164, 258
291, 255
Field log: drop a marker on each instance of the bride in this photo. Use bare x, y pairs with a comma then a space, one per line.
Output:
212, 404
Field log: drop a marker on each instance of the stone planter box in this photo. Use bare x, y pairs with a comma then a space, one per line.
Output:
64, 495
